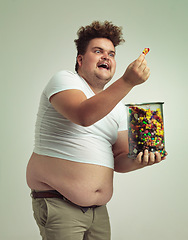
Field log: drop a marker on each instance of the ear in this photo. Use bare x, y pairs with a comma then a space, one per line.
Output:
79, 60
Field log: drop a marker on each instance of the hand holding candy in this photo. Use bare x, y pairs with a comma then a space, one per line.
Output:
138, 71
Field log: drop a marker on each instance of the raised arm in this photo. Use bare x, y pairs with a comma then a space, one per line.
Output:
74, 105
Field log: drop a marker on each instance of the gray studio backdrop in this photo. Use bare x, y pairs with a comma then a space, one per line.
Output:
37, 40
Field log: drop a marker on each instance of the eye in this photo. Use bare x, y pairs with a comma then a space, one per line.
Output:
97, 51
112, 55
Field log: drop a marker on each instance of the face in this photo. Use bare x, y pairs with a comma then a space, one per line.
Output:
97, 66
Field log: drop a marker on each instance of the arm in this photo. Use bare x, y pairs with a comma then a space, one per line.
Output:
74, 105
124, 164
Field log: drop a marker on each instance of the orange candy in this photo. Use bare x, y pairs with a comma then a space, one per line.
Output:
146, 50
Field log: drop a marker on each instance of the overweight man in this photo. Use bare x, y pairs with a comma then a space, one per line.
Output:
81, 138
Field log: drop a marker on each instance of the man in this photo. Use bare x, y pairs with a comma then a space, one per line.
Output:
81, 139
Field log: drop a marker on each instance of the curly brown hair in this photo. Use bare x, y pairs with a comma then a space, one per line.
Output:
97, 30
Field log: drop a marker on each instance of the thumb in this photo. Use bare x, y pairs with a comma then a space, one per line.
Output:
141, 57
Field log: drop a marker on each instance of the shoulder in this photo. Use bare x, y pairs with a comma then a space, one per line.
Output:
64, 75
62, 80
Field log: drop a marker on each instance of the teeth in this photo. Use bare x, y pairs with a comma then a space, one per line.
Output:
104, 65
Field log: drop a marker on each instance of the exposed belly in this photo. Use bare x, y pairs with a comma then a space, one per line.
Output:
83, 184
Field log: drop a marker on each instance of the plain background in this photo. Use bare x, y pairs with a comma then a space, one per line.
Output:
36, 41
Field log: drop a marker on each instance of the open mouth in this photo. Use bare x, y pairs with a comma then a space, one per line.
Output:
104, 65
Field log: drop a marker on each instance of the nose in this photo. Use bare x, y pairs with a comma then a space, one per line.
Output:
105, 55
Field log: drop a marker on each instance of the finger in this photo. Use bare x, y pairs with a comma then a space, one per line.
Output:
151, 158
139, 158
144, 62
157, 157
164, 157
143, 65
139, 61
142, 68
146, 73
145, 157
141, 57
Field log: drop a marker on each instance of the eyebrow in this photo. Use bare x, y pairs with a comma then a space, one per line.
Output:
111, 51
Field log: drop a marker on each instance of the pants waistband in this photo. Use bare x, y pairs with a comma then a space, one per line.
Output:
56, 194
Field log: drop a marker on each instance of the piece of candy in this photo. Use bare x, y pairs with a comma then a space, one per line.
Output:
146, 50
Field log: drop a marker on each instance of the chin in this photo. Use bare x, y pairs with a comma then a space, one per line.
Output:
106, 77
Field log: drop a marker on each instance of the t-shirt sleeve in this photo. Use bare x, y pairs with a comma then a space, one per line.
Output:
63, 80
123, 117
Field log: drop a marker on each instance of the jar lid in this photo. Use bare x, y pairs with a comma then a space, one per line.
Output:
140, 104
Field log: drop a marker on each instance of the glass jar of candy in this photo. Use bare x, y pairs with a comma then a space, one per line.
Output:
145, 128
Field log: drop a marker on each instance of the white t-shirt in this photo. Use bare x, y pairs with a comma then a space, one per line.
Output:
56, 136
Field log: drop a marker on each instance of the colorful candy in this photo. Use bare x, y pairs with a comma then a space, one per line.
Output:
146, 130
146, 51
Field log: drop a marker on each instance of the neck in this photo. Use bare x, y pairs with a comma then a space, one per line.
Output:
94, 87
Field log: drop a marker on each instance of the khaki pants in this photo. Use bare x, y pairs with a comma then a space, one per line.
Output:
60, 220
